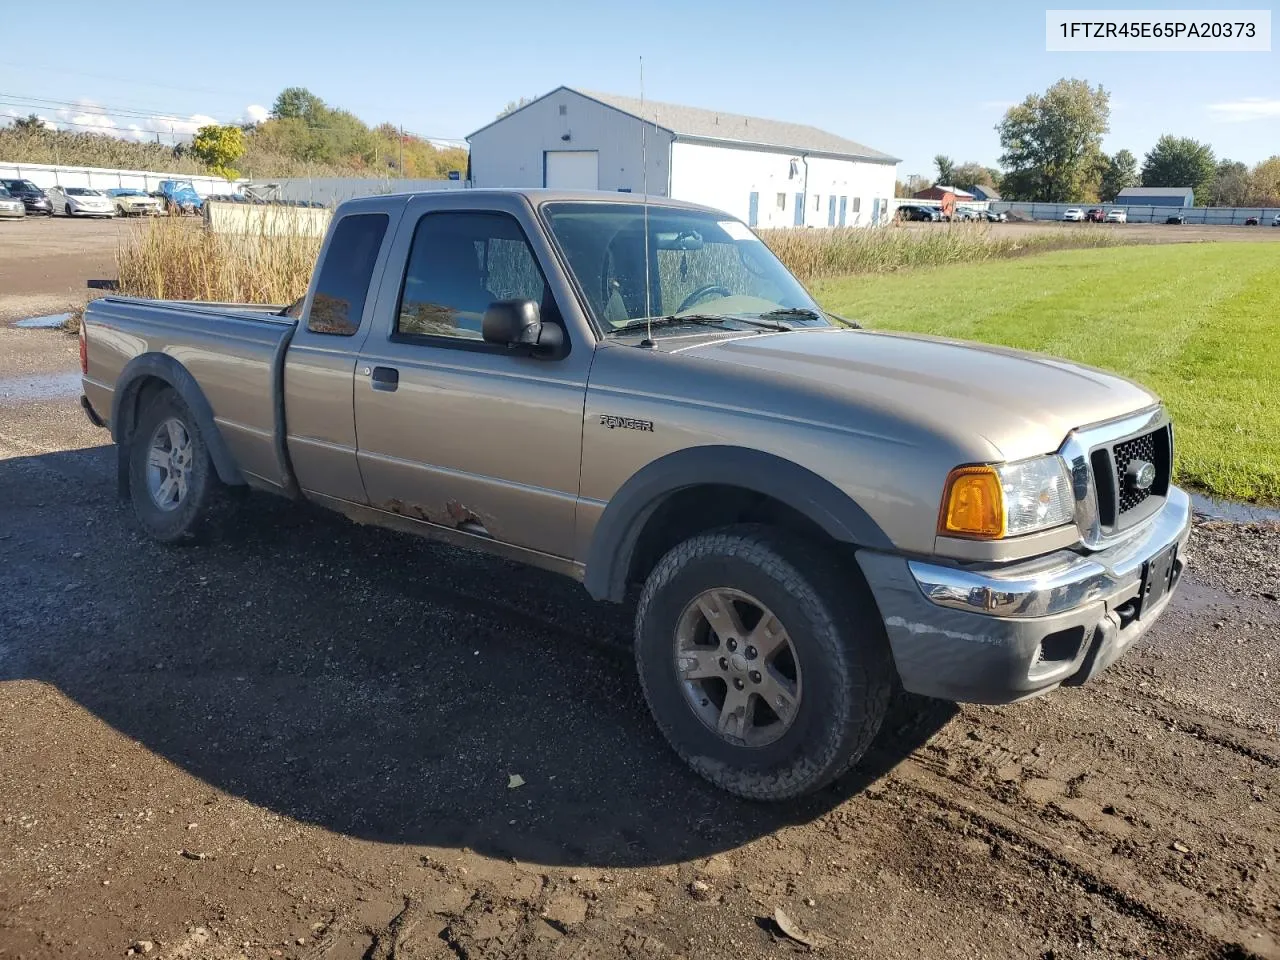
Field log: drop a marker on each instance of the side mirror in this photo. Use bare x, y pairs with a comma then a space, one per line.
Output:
518, 324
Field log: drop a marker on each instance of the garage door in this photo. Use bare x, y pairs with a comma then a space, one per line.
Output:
572, 169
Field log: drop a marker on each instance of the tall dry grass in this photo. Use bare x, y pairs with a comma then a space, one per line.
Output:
818, 254
170, 258
175, 259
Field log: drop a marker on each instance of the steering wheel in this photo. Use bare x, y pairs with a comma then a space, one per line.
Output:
702, 293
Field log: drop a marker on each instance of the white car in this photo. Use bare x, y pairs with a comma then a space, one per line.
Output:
1074, 215
1276, 221
80, 202
1116, 216
134, 203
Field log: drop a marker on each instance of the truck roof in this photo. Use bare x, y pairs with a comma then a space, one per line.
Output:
537, 196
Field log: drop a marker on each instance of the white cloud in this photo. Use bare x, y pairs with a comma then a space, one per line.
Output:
1246, 109
86, 116
256, 112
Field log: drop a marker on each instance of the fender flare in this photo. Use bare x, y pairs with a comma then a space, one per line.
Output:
618, 531
163, 367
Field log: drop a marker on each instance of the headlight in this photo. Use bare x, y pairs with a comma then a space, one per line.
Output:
1006, 500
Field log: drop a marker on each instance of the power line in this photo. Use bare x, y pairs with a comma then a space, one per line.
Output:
174, 117
130, 80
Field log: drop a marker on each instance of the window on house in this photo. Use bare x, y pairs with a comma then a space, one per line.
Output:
857, 204
563, 110
782, 201
817, 203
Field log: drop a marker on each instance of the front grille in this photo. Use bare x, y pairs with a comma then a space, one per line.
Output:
1139, 448
1119, 502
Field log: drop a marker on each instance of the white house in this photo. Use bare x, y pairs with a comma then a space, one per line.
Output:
768, 172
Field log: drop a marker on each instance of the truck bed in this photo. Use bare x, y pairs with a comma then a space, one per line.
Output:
234, 351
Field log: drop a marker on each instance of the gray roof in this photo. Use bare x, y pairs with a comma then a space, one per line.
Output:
698, 124
1154, 192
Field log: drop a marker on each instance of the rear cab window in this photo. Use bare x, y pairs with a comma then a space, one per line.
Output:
345, 274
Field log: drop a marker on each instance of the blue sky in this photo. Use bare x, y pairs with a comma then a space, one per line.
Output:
910, 79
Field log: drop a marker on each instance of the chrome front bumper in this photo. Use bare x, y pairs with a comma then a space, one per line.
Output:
1001, 633
1059, 581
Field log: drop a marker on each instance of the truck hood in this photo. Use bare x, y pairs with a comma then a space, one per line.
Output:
1023, 404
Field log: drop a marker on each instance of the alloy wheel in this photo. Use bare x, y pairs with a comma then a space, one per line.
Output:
170, 457
737, 667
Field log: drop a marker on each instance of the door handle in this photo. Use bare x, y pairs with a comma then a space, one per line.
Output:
385, 378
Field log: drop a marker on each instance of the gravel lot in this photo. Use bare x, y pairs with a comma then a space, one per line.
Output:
297, 741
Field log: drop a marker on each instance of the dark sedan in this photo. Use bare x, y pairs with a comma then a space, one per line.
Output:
913, 212
32, 197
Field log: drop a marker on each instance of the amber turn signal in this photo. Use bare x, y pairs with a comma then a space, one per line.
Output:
972, 504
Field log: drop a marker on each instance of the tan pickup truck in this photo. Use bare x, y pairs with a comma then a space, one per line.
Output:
642, 396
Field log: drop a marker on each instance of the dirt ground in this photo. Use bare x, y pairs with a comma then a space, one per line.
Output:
298, 741
46, 264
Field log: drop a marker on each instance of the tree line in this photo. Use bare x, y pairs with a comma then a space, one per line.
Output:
302, 136
1052, 152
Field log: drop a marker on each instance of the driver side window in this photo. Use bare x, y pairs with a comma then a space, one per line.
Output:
458, 264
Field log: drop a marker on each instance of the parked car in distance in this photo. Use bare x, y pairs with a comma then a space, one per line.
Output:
1275, 221
81, 202
32, 197
1117, 216
1176, 218
911, 211
1096, 215
993, 217
131, 202
179, 196
1252, 222
810, 516
1073, 215
11, 208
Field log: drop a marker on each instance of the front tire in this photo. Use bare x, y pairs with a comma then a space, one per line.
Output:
763, 660
171, 476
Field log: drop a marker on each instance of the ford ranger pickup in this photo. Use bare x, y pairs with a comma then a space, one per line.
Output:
640, 396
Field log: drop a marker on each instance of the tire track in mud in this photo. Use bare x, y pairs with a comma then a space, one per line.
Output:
1094, 876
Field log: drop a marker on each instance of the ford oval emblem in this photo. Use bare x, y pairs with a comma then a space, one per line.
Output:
1140, 475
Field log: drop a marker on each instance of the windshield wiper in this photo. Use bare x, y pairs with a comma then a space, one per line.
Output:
672, 320
807, 314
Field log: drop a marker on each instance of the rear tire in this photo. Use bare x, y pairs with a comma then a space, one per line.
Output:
829, 667
172, 482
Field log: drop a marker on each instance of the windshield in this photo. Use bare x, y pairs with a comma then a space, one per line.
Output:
3, 192
82, 192
20, 186
126, 192
700, 263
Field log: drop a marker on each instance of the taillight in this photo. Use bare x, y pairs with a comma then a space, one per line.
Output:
84, 348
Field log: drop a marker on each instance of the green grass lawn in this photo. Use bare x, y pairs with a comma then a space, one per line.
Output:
1197, 323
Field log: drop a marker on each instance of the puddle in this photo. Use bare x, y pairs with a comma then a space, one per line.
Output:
48, 386
50, 321
1235, 512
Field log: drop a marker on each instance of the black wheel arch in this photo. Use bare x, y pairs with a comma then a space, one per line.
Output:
149, 368
629, 512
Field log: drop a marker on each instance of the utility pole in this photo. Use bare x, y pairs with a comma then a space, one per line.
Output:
401, 166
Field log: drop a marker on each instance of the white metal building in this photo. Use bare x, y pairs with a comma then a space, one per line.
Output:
768, 172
